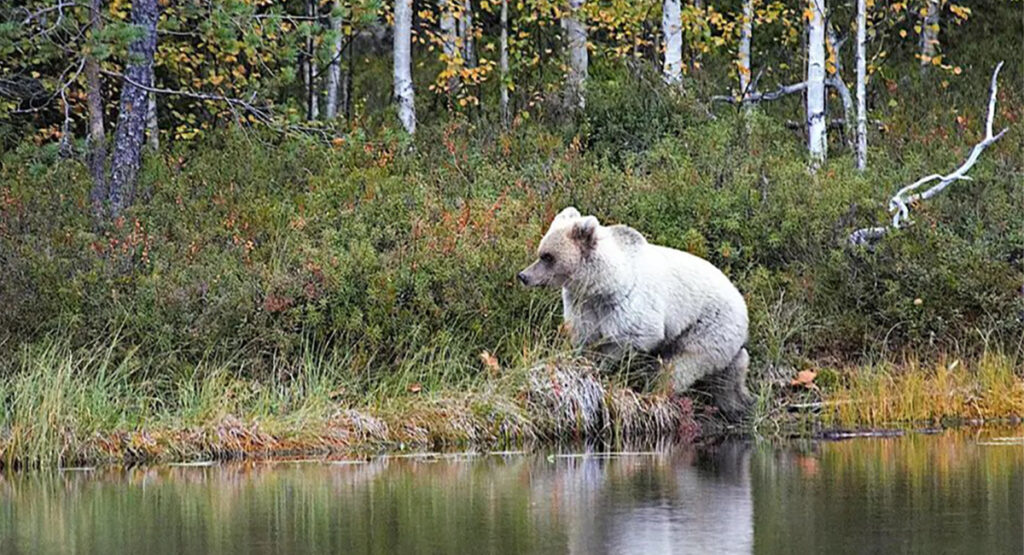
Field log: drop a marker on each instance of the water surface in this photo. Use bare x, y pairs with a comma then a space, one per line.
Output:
959, 492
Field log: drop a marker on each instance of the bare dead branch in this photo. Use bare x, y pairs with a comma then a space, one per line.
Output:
900, 203
833, 123
247, 105
762, 97
836, 80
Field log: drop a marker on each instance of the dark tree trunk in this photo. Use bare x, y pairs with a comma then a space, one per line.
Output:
134, 109
96, 143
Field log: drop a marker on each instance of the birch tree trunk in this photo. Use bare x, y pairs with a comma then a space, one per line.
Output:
862, 75
746, 32
96, 143
134, 108
404, 93
576, 42
309, 70
152, 126
817, 140
930, 32
503, 63
449, 46
672, 28
334, 69
466, 34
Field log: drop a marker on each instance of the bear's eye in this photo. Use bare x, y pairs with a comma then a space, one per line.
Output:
547, 258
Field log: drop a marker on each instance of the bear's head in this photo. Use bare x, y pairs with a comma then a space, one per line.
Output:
565, 248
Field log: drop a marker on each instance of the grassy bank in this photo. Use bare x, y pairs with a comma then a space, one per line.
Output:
274, 294
67, 407
70, 407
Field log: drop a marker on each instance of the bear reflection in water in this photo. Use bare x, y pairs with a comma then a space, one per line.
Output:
680, 501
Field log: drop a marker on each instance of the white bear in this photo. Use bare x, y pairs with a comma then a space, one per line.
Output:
621, 293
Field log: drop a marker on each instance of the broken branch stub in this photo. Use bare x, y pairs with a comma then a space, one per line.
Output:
899, 204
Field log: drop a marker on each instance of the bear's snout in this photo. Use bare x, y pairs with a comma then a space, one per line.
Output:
522, 278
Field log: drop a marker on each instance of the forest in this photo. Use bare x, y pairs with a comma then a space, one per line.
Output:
236, 228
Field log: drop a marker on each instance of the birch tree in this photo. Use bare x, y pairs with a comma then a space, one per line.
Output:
466, 34
746, 32
862, 112
817, 139
404, 93
503, 64
576, 42
449, 47
309, 72
134, 107
333, 84
672, 29
930, 32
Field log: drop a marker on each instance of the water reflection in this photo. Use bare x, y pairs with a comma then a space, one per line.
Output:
913, 494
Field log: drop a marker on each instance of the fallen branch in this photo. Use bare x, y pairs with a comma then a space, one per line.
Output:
833, 123
753, 98
899, 203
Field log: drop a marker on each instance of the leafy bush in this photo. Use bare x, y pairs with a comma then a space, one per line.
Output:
251, 246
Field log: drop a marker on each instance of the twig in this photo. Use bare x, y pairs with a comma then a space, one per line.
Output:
900, 203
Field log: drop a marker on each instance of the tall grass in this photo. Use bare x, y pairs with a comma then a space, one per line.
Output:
915, 392
65, 405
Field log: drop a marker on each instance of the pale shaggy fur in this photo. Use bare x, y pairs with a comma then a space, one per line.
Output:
620, 292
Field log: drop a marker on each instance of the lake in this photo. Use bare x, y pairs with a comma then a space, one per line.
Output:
954, 492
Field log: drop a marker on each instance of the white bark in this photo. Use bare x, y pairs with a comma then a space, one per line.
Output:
672, 28
309, 70
576, 42
817, 139
466, 34
746, 32
404, 93
503, 63
900, 203
862, 76
449, 46
333, 84
930, 32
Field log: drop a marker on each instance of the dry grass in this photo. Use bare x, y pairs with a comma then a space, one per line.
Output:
989, 388
67, 407
66, 411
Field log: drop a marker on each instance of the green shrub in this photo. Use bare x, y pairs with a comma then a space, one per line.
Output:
249, 247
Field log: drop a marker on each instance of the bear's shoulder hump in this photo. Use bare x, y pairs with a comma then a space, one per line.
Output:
627, 236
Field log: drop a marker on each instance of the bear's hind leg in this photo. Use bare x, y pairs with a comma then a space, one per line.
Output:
729, 388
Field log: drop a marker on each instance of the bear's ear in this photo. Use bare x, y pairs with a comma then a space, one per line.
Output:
584, 233
569, 212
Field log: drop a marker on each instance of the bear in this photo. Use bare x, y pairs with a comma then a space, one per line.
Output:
621, 294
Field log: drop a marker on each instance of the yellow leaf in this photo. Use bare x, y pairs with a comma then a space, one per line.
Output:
804, 378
